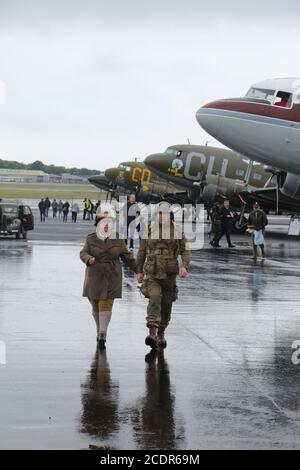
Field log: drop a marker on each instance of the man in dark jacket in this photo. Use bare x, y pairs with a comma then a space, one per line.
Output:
66, 207
42, 208
226, 223
216, 225
132, 208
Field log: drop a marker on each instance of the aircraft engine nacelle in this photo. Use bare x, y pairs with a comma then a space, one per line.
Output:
143, 196
147, 197
209, 193
291, 186
217, 185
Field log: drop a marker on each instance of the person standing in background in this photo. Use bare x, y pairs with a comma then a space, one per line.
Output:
227, 219
92, 208
75, 212
257, 222
41, 207
60, 208
54, 208
47, 206
216, 226
132, 208
66, 207
86, 209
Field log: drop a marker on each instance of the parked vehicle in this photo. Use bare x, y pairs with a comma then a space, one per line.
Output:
15, 219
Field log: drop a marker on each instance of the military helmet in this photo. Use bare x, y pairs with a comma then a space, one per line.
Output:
106, 210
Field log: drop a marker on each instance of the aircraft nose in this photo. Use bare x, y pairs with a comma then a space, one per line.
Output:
157, 161
97, 178
112, 173
210, 118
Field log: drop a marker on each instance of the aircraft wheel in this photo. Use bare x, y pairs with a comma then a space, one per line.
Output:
237, 228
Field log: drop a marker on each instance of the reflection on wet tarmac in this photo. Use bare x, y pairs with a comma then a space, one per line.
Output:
258, 281
153, 416
100, 400
226, 379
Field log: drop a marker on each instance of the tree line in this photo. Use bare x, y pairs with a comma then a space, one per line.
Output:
50, 169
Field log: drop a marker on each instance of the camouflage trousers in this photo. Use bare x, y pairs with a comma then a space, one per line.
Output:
161, 294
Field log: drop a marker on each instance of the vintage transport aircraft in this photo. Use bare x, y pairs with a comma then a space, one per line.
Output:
264, 125
134, 176
210, 173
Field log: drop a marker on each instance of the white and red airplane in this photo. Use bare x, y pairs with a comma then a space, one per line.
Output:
263, 125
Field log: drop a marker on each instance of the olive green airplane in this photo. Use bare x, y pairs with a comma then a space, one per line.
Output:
209, 174
100, 181
133, 176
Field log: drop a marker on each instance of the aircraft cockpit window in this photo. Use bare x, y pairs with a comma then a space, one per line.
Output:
261, 94
283, 99
296, 99
175, 152
128, 168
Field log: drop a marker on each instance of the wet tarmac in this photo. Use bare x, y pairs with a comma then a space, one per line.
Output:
226, 379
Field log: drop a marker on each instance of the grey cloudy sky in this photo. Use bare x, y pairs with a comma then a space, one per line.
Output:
91, 83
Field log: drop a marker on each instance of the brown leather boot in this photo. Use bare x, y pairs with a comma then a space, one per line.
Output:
161, 340
151, 339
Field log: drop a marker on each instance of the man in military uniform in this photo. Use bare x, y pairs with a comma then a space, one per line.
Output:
157, 264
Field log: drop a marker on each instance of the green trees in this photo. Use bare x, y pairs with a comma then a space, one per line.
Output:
50, 169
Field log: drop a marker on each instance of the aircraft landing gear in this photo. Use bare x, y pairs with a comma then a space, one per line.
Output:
239, 224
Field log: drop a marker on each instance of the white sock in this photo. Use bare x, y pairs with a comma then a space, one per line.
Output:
104, 318
96, 318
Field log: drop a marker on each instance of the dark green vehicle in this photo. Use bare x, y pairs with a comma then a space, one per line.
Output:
15, 219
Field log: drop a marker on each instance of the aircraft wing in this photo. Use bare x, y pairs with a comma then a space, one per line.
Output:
267, 198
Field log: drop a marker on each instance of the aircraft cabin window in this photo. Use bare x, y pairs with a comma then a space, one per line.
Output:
256, 176
261, 94
239, 172
283, 99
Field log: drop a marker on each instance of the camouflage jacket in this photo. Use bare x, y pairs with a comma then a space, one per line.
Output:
158, 254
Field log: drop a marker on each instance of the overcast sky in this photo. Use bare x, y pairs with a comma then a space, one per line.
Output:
92, 83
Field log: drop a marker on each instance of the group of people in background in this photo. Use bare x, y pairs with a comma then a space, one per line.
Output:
60, 209
222, 219
89, 209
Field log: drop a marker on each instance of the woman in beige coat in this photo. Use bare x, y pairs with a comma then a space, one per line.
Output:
102, 253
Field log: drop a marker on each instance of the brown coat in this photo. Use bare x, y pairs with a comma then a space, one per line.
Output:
103, 279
